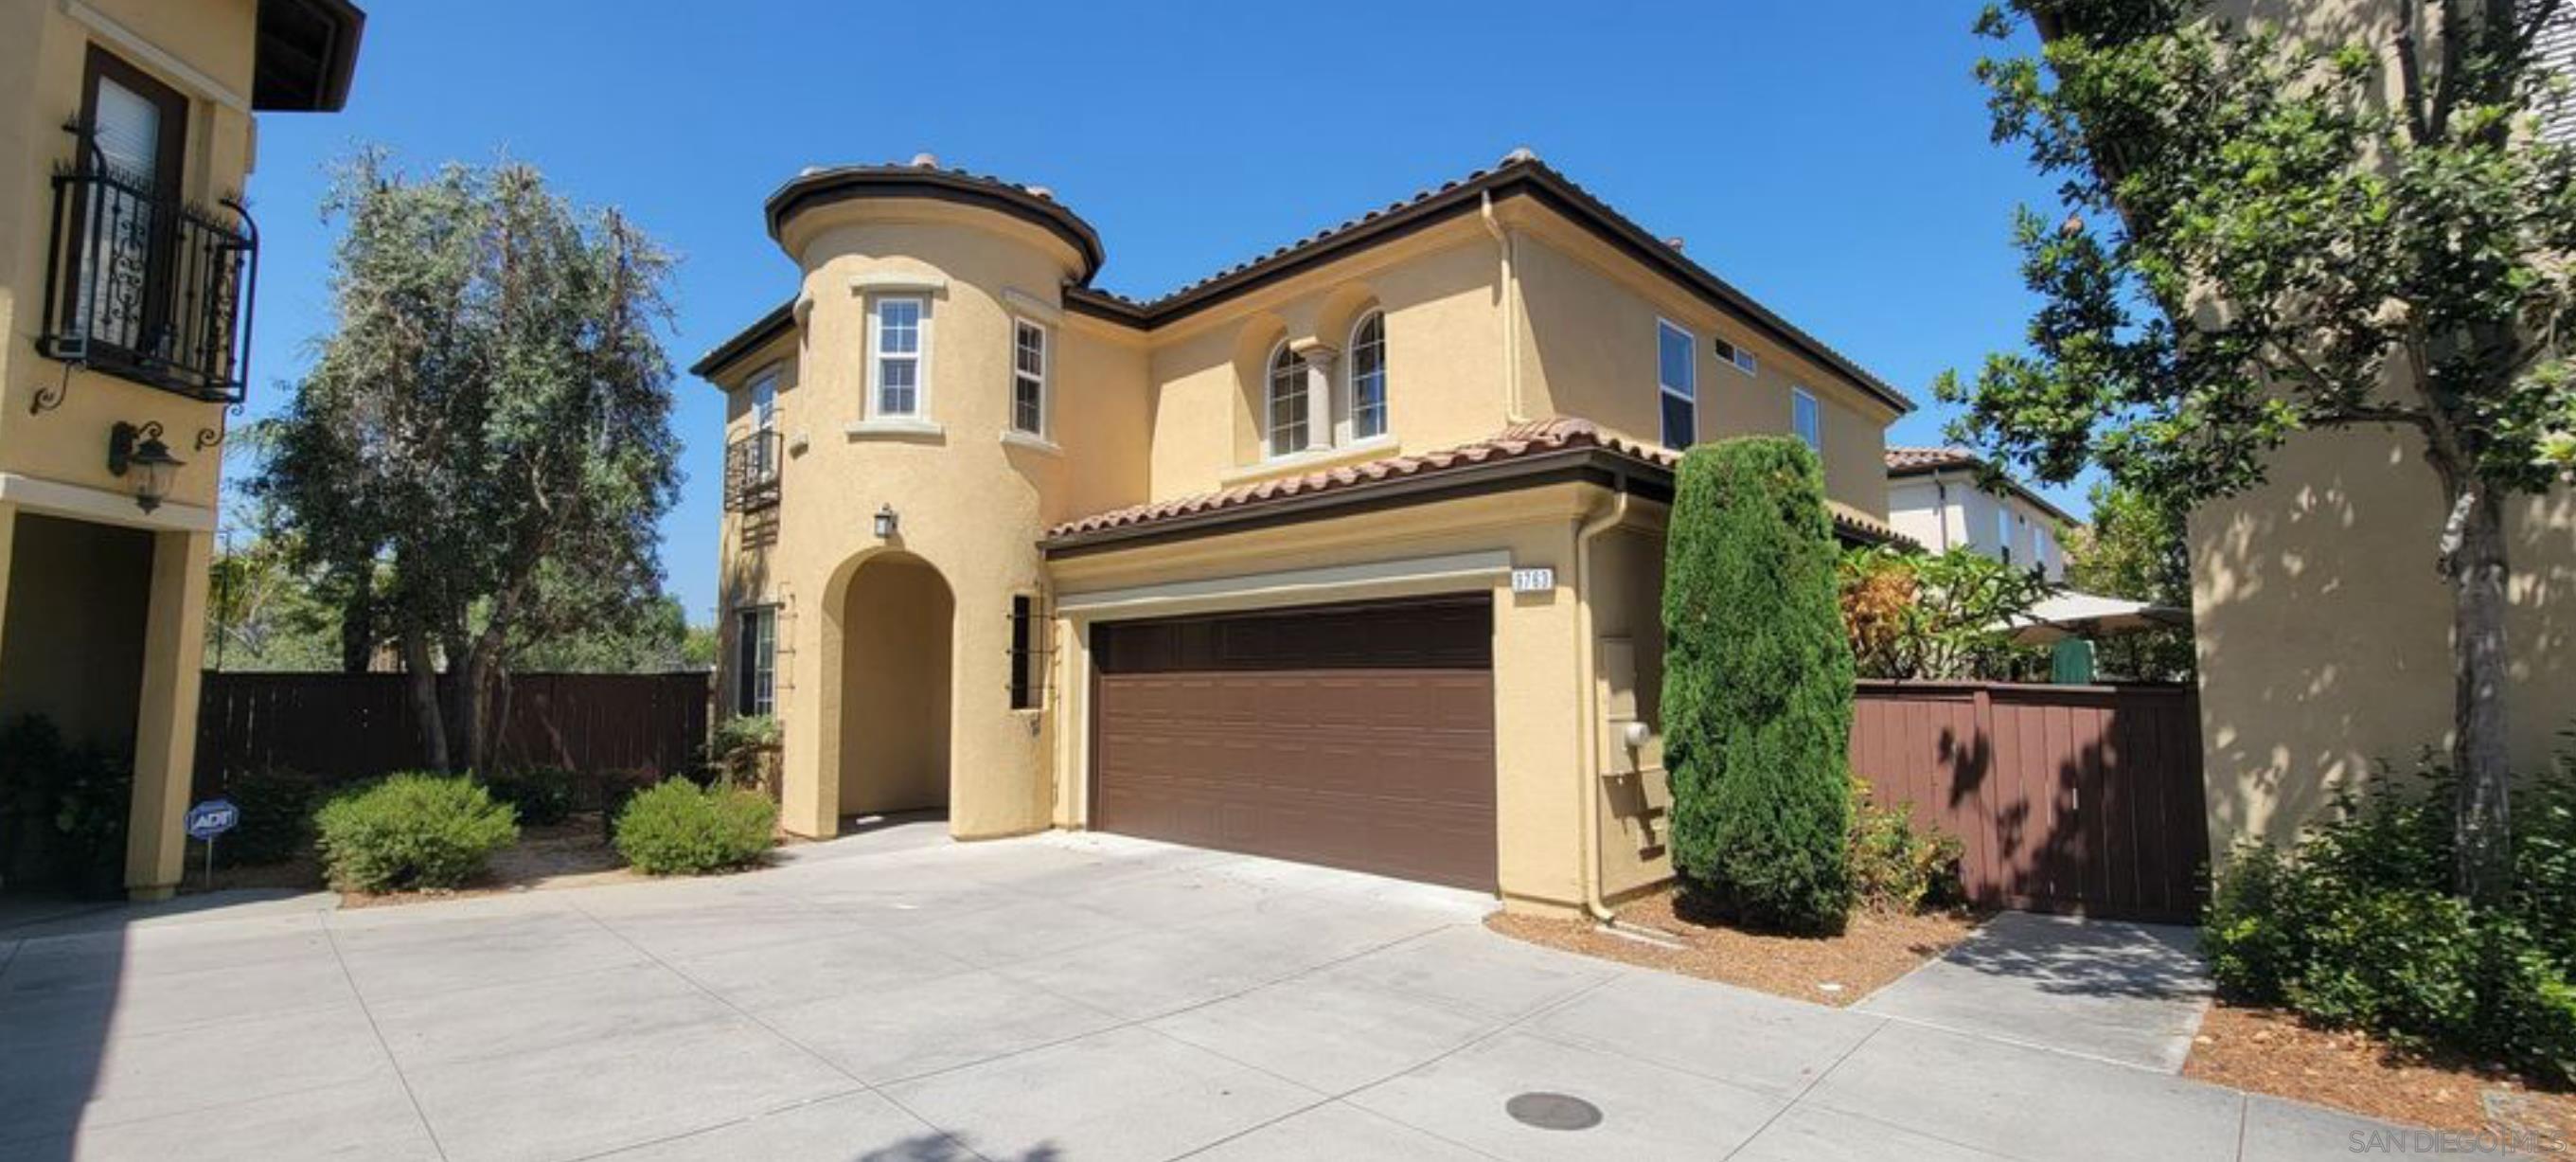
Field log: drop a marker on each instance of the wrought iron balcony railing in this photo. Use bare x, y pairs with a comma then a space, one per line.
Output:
751, 471
149, 288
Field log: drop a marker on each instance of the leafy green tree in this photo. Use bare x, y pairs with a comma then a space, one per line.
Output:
484, 439
2135, 549
651, 638
1757, 700
2293, 236
1941, 616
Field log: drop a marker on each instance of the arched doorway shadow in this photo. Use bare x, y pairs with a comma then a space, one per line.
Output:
897, 625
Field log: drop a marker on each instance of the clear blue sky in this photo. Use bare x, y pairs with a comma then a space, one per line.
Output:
1831, 159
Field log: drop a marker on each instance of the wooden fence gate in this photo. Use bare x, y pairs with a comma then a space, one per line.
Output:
2081, 799
343, 727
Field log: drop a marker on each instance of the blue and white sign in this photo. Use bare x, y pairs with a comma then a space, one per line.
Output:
212, 818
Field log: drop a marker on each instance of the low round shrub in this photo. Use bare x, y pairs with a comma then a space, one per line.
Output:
543, 796
276, 818
2357, 927
1896, 866
679, 828
412, 831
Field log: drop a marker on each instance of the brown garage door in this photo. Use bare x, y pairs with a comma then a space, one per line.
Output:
1360, 736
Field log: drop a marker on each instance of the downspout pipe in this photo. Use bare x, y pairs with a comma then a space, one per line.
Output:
1507, 281
1587, 764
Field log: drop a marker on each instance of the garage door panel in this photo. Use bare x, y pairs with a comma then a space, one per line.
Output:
1361, 738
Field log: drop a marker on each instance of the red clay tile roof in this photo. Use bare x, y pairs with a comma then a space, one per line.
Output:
1902, 459
1519, 441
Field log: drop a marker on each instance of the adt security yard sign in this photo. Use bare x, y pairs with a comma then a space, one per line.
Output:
212, 818
206, 821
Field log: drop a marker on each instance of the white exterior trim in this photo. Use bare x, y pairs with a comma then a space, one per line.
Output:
144, 51
1450, 573
1020, 302
1310, 460
890, 283
82, 502
872, 406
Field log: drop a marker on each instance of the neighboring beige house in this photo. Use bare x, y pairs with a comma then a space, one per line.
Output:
1935, 496
2323, 631
1348, 554
127, 265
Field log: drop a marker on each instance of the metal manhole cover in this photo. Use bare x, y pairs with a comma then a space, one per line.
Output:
1553, 1111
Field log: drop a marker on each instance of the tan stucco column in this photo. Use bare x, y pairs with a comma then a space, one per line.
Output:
809, 717
1323, 423
165, 735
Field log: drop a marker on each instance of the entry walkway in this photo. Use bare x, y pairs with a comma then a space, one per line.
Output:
2126, 993
1059, 997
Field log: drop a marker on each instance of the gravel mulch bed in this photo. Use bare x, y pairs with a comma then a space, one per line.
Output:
2269, 1051
1874, 949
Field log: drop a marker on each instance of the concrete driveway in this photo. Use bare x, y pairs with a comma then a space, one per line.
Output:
2128, 993
1063, 997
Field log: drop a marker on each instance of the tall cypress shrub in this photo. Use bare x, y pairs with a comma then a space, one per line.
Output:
1757, 687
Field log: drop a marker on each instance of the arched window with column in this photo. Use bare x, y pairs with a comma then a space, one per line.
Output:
1286, 404
1368, 376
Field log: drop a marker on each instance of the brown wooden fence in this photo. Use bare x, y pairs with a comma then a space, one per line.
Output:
340, 727
2083, 799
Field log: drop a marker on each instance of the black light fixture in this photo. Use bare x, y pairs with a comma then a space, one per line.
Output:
132, 449
888, 522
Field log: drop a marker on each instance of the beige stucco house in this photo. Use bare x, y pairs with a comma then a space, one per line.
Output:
1940, 498
127, 269
1348, 554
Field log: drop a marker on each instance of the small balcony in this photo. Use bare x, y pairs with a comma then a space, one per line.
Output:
148, 288
751, 471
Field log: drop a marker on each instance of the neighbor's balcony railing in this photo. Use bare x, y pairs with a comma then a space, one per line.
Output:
149, 288
751, 471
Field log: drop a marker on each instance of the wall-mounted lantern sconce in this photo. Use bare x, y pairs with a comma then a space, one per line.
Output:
888, 523
139, 451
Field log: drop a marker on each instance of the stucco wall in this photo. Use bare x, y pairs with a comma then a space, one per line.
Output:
72, 648
896, 675
1592, 346
2324, 634
1634, 790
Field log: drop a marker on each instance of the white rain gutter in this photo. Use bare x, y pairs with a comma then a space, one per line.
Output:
1589, 738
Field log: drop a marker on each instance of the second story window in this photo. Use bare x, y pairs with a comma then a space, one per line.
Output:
896, 384
1807, 418
1285, 403
1028, 377
1677, 384
141, 284
1368, 377
1734, 356
751, 460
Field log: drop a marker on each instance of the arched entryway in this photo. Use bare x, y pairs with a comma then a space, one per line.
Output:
897, 623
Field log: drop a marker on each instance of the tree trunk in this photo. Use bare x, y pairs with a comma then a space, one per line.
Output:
358, 621
424, 696
474, 708
2479, 754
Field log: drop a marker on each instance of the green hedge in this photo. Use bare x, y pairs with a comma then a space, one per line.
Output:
412, 831
679, 828
276, 818
1757, 700
543, 796
2356, 926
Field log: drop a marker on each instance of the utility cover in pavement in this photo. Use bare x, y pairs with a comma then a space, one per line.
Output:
1553, 1111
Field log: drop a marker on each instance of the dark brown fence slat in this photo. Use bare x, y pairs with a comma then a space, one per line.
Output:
2083, 799
345, 727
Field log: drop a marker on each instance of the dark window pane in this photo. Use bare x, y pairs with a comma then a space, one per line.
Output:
1680, 422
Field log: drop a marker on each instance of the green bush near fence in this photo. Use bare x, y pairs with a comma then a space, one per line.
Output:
412, 830
276, 818
2356, 926
679, 828
1757, 701
543, 796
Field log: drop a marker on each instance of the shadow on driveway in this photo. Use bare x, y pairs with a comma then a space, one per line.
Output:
2128, 993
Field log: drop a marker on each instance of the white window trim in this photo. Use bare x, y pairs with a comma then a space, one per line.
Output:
1689, 392
1797, 394
1270, 453
751, 389
1351, 376
920, 413
1744, 361
1046, 382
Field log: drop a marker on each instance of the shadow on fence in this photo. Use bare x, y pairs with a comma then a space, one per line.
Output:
345, 727
2084, 799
